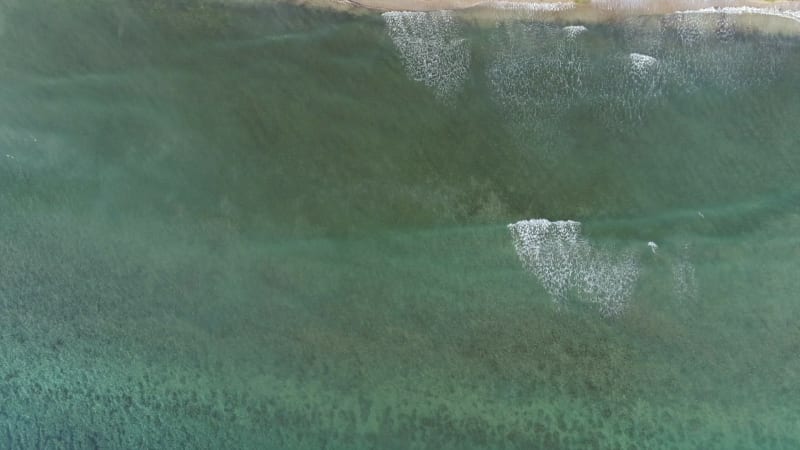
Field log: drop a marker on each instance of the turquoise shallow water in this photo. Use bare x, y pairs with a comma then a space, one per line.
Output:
275, 227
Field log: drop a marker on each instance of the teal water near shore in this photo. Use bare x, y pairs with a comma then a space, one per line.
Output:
277, 227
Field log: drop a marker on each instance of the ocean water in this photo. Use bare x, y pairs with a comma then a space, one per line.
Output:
278, 227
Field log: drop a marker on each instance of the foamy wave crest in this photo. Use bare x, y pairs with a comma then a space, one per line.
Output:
642, 63
693, 52
630, 85
533, 6
707, 54
431, 49
567, 265
537, 76
738, 10
646, 76
574, 30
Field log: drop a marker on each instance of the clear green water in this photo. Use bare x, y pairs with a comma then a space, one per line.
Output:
282, 228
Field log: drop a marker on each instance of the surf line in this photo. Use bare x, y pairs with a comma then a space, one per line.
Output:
743, 10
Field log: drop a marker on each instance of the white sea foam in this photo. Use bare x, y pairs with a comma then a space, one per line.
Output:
645, 76
738, 10
533, 6
567, 264
574, 30
642, 63
708, 54
540, 72
654, 6
536, 77
645, 6
690, 29
431, 48
629, 86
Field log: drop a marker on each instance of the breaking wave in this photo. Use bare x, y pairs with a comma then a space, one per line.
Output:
571, 268
529, 6
537, 75
567, 265
574, 30
431, 49
538, 72
739, 10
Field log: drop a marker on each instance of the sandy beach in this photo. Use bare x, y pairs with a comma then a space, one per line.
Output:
600, 7
773, 16
781, 17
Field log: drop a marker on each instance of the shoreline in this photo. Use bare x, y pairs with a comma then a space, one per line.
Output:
599, 7
780, 16
765, 16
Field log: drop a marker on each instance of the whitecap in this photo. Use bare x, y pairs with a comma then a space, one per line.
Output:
431, 49
533, 6
641, 63
739, 10
536, 76
574, 30
567, 264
